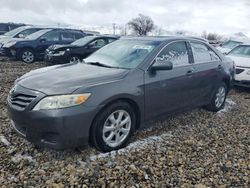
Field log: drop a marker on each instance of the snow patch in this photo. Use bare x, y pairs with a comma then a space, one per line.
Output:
19, 157
4, 140
228, 106
135, 146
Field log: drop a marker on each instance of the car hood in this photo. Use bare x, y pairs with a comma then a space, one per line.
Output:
65, 79
61, 47
240, 61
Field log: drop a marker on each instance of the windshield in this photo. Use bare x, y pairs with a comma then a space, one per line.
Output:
241, 51
38, 34
231, 44
83, 41
14, 32
125, 54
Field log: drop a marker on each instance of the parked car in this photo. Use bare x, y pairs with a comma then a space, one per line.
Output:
232, 43
33, 46
6, 27
118, 89
241, 56
76, 51
18, 33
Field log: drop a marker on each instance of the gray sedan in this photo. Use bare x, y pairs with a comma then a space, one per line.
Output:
117, 90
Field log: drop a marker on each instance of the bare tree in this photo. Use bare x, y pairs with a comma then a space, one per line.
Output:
211, 36
141, 25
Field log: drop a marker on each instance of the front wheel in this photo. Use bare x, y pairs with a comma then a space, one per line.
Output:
74, 59
219, 98
27, 56
113, 127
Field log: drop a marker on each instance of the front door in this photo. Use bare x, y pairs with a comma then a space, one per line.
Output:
169, 90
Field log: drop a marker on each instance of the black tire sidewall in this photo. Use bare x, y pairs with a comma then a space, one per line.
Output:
97, 128
71, 56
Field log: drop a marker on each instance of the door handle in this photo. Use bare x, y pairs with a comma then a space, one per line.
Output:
220, 67
190, 72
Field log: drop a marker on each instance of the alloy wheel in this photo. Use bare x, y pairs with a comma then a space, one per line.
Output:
116, 128
28, 57
220, 97
74, 59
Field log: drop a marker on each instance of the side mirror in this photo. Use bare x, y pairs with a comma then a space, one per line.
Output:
21, 36
162, 65
42, 40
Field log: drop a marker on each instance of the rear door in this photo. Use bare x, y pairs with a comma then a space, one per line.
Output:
48, 39
170, 90
67, 37
207, 65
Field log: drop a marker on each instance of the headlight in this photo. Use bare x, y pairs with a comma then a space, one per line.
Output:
248, 72
61, 101
9, 44
60, 53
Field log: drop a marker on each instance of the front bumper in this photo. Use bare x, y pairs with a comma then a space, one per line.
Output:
8, 52
55, 59
242, 77
56, 129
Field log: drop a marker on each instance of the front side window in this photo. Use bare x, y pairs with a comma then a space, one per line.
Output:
241, 51
99, 43
203, 54
176, 53
52, 36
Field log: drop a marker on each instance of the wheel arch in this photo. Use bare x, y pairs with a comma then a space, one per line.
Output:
130, 101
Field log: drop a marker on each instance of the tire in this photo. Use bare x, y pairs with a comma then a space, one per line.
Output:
27, 56
116, 135
219, 98
74, 59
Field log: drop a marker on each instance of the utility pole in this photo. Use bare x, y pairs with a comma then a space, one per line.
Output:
114, 26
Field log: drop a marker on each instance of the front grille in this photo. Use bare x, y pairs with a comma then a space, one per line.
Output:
20, 100
238, 71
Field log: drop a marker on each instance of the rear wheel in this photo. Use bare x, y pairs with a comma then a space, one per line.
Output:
219, 98
27, 56
113, 127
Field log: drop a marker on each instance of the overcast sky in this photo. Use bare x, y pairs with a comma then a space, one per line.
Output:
224, 16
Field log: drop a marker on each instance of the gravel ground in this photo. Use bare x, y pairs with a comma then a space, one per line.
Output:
196, 149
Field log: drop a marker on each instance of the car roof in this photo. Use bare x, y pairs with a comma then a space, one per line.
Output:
163, 38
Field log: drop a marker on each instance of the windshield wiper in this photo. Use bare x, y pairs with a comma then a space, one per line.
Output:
99, 64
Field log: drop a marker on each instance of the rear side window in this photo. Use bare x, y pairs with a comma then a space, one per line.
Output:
68, 36
203, 54
78, 36
176, 52
52, 36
